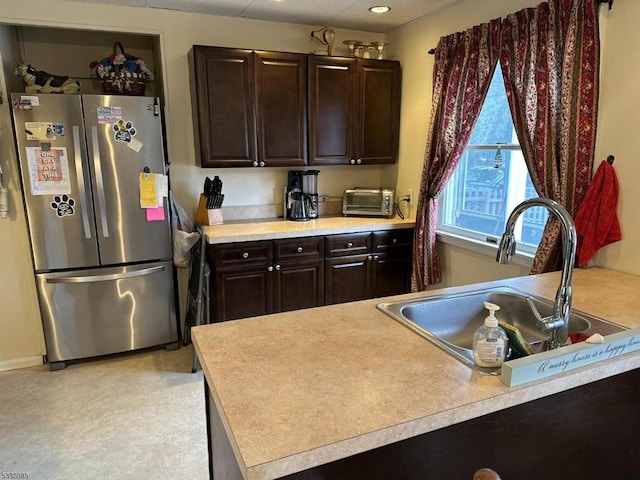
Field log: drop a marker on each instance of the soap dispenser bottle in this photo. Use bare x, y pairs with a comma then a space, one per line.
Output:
490, 342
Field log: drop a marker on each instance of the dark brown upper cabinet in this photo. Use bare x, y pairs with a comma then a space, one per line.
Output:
249, 108
354, 111
223, 104
281, 108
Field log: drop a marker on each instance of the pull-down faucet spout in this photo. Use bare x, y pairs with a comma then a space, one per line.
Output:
558, 323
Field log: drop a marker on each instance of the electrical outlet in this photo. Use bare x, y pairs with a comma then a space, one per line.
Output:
410, 195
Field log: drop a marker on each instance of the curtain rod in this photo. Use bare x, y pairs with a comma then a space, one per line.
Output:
610, 2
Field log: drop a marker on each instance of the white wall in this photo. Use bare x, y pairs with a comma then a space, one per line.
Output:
21, 339
619, 118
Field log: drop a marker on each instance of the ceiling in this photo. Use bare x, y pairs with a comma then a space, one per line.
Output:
345, 14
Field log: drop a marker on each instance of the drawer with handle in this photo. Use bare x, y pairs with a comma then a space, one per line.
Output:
390, 240
311, 248
245, 253
350, 244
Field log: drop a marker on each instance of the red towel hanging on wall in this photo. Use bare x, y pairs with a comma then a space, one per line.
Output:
597, 222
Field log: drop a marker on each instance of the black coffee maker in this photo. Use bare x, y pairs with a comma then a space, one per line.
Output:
310, 188
301, 195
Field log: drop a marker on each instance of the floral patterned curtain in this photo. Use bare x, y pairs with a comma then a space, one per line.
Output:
464, 64
550, 58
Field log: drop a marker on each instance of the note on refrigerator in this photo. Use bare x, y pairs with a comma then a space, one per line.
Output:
155, 214
48, 170
162, 186
148, 190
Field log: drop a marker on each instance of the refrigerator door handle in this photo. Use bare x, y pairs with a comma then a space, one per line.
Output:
100, 184
80, 179
107, 277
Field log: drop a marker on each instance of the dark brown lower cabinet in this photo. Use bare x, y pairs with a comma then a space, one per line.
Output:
270, 276
382, 271
258, 278
347, 278
299, 285
589, 431
243, 292
391, 269
390, 274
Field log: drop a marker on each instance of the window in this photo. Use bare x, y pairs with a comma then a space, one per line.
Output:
490, 180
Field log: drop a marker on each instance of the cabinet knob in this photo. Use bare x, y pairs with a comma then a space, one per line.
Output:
395, 240
245, 255
255, 164
299, 249
370, 257
352, 161
376, 257
359, 161
270, 268
278, 267
262, 164
349, 245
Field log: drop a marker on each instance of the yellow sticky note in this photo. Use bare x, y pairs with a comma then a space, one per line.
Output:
148, 191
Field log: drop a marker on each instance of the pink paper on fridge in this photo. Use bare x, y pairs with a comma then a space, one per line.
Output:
155, 214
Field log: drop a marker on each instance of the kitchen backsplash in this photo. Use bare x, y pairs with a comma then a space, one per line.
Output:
250, 212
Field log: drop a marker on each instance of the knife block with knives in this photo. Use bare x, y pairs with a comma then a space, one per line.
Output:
209, 207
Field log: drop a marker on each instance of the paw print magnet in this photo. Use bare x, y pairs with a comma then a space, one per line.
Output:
124, 131
63, 205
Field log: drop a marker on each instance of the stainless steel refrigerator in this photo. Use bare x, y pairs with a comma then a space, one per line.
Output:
103, 264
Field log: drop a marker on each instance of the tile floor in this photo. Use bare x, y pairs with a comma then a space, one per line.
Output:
134, 416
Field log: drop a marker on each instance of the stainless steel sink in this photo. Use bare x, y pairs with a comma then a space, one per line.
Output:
449, 321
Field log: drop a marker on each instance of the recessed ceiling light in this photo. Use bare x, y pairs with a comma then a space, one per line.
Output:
379, 9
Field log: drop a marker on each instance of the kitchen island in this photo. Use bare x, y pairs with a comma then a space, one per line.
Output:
344, 391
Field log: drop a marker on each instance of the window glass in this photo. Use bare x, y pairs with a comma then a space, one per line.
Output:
491, 179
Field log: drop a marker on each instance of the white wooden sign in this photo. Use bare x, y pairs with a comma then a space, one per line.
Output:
553, 362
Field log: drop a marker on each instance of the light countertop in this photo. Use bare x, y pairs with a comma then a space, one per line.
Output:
271, 229
303, 388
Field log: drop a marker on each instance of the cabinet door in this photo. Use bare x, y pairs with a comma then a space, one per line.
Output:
298, 273
298, 285
331, 110
243, 284
347, 278
377, 111
390, 273
222, 92
391, 266
281, 108
243, 292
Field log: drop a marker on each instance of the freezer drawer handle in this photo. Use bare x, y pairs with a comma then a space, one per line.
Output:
98, 168
80, 178
106, 278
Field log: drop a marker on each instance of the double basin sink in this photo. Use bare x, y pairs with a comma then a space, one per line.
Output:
449, 321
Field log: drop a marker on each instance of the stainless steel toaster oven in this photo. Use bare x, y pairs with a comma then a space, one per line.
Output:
369, 202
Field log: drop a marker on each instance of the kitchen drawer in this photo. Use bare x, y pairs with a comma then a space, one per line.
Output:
350, 244
238, 254
391, 240
311, 248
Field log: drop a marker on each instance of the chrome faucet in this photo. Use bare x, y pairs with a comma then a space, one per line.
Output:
557, 324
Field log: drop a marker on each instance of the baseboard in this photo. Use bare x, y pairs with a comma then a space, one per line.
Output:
23, 362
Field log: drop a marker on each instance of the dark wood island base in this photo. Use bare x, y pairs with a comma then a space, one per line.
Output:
588, 432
